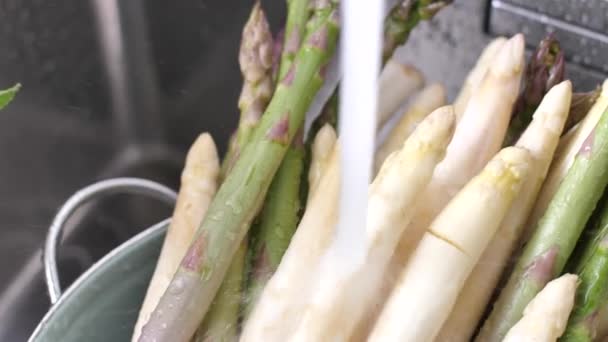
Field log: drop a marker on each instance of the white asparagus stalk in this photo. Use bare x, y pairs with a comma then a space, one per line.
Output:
321, 151
546, 316
438, 268
198, 185
478, 136
344, 287
477, 74
396, 83
564, 157
429, 99
540, 139
282, 301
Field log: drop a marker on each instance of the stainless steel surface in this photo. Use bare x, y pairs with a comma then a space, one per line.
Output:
72, 125
80, 198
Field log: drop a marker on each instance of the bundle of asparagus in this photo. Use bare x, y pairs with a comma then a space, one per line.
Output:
447, 210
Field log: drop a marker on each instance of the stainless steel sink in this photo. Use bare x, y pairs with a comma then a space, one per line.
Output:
121, 88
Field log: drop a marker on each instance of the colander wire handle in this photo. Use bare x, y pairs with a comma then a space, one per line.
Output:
102, 188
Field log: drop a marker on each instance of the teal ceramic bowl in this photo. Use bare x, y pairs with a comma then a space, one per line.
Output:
103, 303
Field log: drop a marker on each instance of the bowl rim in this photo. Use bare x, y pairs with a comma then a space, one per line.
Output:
96, 267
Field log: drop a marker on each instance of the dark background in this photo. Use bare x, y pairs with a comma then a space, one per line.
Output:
75, 121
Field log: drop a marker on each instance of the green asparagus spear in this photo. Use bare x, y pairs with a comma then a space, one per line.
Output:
298, 12
239, 198
279, 216
277, 221
403, 18
7, 95
255, 59
592, 292
545, 69
545, 255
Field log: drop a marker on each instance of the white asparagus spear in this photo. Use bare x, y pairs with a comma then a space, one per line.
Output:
198, 185
478, 136
282, 301
429, 99
321, 151
477, 74
397, 82
564, 157
344, 287
546, 316
540, 138
435, 274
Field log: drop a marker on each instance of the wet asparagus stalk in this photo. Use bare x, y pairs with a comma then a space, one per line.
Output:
342, 292
255, 60
282, 301
427, 288
7, 95
277, 221
279, 217
567, 150
298, 13
540, 139
592, 292
545, 69
239, 198
545, 255
198, 186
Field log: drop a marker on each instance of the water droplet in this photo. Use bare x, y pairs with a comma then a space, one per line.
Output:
568, 17
583, 41
587, 60
576, 58
584, 18
163, 326
177, 287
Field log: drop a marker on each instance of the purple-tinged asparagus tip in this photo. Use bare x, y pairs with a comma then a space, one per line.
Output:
280, 131
292, 44
541, 269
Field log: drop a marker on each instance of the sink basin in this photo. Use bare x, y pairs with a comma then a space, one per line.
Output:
105, 97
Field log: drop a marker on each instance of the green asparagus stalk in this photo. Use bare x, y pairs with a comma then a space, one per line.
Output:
279, 217
277, 221
298, 13
555, 237
7, 95
592, 293
239, 198
545, 69
403, 18
256, 60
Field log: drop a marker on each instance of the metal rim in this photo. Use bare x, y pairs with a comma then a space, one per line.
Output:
131, 243
93, 191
